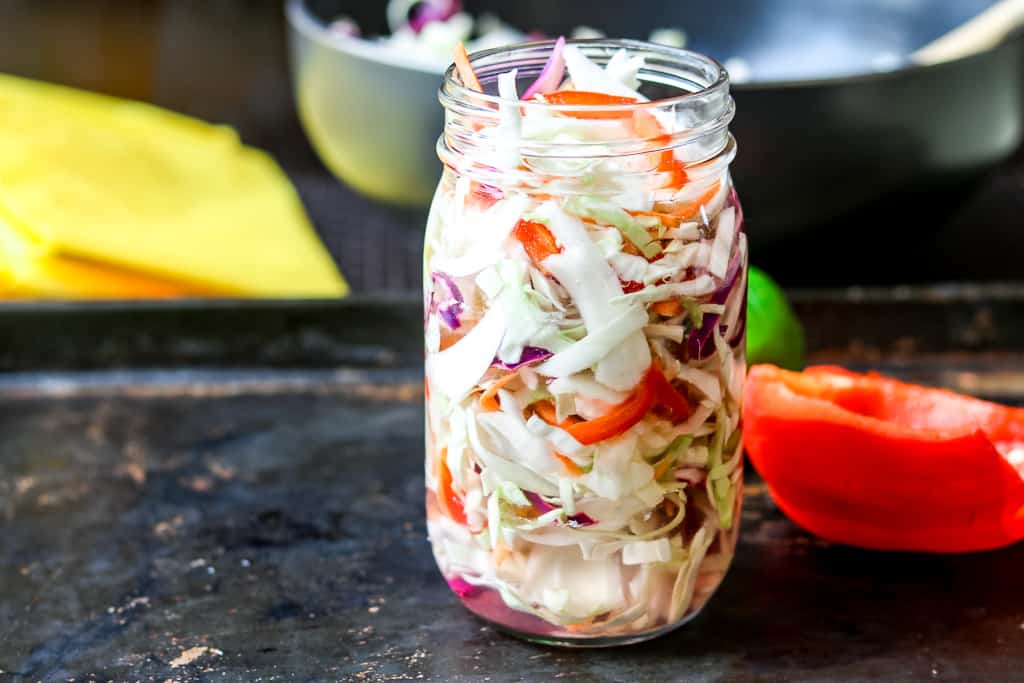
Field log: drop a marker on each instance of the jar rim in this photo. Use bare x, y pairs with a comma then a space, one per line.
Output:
453, 89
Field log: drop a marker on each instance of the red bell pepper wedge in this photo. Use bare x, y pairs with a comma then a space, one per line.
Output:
653, 390
568, 98
536, 239
873, 462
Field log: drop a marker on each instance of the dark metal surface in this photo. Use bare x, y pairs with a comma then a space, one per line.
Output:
385, 330
203, 524
368, 331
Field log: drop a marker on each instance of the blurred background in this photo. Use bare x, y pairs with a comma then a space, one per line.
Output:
856, 166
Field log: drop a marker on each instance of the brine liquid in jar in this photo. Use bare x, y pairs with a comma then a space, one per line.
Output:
585, 270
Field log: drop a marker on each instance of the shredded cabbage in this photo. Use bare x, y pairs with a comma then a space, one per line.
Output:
526, 323
509, 131
586, 75
597, 345
624, 68
457, 369
722, 246
615, 345
559, 438
634, 229
644, 552
521, 476
583, 384
701, 285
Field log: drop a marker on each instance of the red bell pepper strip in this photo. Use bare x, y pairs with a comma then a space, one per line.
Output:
449, 502
536, 239
666, 395
621, 417
629, 286
675, 169
568, 98
873, 462
653, 390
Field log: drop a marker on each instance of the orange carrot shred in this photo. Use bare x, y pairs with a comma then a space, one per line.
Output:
668, 308
465, 69
570, 467
692, 209
489, 399
667, 219
501, 553
662, 467
545, 410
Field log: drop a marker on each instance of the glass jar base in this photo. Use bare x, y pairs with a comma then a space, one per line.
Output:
594, 642
488, 605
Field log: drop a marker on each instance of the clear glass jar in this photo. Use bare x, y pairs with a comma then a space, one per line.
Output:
585, 292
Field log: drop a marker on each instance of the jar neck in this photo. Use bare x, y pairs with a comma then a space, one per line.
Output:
684, 109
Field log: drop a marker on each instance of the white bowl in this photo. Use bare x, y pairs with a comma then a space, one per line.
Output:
374, 121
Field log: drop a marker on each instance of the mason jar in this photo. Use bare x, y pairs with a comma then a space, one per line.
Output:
585, 270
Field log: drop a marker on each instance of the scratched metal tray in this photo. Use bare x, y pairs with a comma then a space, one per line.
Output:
232, 491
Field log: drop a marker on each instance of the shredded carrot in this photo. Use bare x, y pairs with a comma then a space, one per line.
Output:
448, 339
667, 219
688, 210
580, 625
647, 126
465, 69
668, 308
501, 553
570, 467
545, 410
489, 399
662, 467
525, 511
